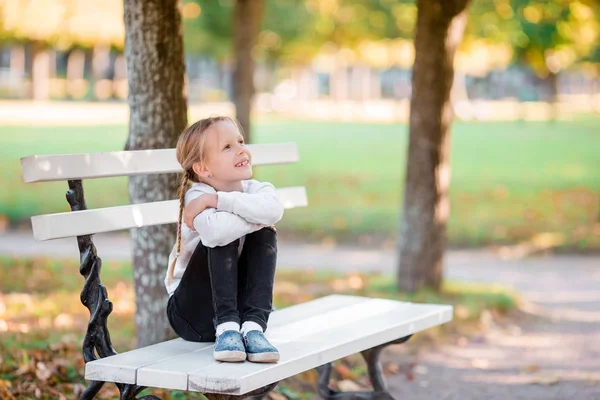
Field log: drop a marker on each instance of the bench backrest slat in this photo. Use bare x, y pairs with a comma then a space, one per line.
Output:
76, 223
44, 168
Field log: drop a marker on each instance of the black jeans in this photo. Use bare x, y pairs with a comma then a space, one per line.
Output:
220, 286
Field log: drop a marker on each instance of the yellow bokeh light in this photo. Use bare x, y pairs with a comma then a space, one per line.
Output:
65, 22
532, 14
504, 10
190, 10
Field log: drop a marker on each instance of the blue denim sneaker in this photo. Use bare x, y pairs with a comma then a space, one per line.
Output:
258, 348
229, 347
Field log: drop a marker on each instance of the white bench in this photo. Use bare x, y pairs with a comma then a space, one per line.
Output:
308, 335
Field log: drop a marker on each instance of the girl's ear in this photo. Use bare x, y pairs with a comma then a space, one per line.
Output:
200, 170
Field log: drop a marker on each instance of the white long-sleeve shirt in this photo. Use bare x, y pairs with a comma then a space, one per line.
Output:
237, 214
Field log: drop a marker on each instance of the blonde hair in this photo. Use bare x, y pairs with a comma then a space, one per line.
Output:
190, 150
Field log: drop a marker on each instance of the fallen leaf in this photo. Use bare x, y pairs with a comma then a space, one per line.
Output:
356, 282
347, 385
311, 377
78, 389
462, 312
391, 369
531, 368
276, 396
421, 369
545, 380
42, 372
343, 371
23, 369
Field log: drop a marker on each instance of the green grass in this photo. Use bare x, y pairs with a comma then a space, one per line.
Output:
510, 180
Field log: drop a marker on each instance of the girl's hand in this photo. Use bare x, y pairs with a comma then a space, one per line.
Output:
198, 205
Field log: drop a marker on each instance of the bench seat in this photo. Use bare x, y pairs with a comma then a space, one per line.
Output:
307, 335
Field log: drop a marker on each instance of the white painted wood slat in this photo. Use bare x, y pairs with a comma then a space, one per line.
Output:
59, 167
76, 223
307, 335
122, 367
366, 329
174, 374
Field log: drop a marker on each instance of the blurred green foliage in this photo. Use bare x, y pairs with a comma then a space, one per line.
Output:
547, 35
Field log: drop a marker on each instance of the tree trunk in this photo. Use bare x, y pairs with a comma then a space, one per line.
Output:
158, 114
40, 71
17, 62
17, 71
100, 64
552, 82
422, 232
119, 78
247, 17
339, 88
75, 73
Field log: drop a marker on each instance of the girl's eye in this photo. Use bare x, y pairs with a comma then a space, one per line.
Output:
227, 147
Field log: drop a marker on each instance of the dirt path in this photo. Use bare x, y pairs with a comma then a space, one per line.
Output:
553, 352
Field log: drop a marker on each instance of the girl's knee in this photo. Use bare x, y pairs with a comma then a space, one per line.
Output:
267, 234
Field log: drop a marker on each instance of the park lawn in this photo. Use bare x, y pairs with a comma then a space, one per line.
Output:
43, 322
511, 181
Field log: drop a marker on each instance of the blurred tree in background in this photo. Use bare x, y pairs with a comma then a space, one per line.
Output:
247, 19
238, 32
422, 233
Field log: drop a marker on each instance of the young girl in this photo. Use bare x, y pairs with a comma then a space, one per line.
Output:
221, 270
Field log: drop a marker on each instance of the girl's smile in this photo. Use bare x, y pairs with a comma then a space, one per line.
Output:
243, 164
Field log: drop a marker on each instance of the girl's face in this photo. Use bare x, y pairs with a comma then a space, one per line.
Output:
227, 158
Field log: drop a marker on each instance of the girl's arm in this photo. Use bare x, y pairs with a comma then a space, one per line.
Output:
196, 206
218, 228
260, 207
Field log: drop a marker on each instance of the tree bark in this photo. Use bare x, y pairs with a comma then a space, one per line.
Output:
422, 231
158, 114
247, 18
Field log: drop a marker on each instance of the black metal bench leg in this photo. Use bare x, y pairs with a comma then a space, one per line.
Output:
371, 357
